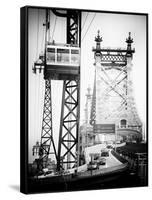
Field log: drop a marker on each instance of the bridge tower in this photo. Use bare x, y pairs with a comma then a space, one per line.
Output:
61, 62
113, 101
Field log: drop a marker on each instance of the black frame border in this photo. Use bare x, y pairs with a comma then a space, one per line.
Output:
24, 86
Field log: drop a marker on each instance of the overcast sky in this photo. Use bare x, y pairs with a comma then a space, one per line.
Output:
114, 30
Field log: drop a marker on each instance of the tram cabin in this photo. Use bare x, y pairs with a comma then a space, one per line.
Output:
63, 62
63, 55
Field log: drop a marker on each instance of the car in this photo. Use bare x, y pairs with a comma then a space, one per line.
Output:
92, 165
109, 147
101, 161
104, 154
48, 172
96, 157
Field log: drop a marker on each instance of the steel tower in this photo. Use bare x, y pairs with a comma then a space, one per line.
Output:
113, 101
56, 63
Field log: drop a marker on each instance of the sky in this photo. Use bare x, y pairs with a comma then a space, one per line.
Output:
114, 29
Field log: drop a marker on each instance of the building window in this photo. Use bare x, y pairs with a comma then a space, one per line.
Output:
123, 123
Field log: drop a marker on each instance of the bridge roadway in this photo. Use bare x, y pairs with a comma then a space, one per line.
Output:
112, 164
112, 161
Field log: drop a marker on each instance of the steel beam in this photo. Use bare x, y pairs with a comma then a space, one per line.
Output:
70, 108
47, 145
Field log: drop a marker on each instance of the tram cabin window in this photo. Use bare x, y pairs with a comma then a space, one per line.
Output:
51, 55
63, 55
74, 56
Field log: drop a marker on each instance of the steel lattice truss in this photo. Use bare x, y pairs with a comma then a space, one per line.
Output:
73, 27
113, 58
47, 142
46, 146
93, 106
69, 124
113, 91
114, 98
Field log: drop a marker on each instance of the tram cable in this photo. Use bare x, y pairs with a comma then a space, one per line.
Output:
38, 88
37, 42
43, 39
36, 91
88, 27
54, 27
84, 21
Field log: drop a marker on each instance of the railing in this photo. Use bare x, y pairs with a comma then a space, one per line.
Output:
120, 158
116, 49
138, 163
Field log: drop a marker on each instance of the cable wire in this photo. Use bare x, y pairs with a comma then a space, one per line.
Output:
35, 96
54, 27
37, 42
88, 27
84, 21
43, 40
